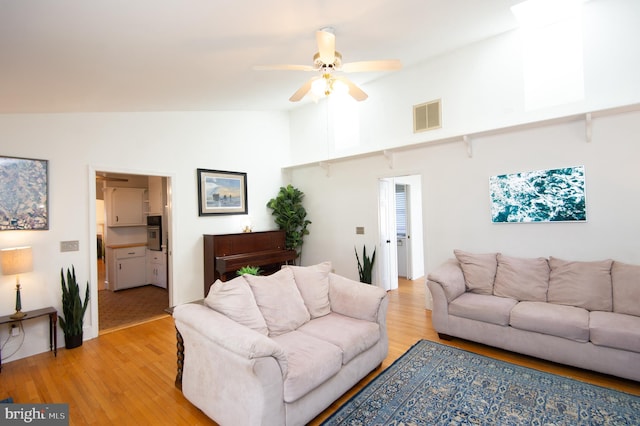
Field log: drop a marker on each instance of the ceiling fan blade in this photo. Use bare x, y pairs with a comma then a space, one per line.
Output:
285, 67
356, 93
303, 90
326, 46
363, 66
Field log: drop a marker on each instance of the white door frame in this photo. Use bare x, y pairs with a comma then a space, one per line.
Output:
415, 226
410, 274
407, 240
388, 266
93, 251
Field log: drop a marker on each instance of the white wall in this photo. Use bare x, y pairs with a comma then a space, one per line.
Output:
456, 208
482, 90
336, 204
481, 87
173, 144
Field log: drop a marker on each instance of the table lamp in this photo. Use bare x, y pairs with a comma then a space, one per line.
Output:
16, 261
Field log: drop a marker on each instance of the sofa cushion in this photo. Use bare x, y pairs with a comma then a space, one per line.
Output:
235, 300
353, 336
313, 284
482, 307
279, 300
615, 330
479, 270
583, 284
311, 361
569, 322
625, 281
522, 279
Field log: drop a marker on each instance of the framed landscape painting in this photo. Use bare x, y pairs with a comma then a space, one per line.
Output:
221, 192
554, 195
24, 194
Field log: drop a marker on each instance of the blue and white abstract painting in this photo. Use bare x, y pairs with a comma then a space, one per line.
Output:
555, 195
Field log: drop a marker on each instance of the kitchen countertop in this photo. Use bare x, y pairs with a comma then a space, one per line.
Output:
126, 245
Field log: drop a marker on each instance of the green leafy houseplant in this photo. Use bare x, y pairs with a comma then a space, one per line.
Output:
365, 270
251, 270
291, 216
73, 308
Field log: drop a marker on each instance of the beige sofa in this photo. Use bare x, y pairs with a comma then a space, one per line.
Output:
279, 349
584, 314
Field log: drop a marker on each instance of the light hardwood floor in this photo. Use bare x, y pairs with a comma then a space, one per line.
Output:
126, 377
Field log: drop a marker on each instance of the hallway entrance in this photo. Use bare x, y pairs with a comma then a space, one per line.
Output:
133, 282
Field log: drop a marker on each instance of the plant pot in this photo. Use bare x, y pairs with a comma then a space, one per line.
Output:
71, 342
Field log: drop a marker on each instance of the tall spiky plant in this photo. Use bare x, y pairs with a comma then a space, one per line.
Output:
72, 306
365, 270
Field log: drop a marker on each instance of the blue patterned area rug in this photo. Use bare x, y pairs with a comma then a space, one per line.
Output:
434, 384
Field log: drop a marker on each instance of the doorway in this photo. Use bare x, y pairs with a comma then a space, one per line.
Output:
401, 229
133, 283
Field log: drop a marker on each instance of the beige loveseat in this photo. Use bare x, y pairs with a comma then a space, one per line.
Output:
585, 314
279, 349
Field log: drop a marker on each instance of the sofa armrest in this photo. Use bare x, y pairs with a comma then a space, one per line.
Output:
234, 374
228, 334
355, 299
449, 276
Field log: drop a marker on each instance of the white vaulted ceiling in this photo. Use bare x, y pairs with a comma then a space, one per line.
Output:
189, 55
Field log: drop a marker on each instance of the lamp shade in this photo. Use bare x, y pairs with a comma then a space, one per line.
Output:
16, 260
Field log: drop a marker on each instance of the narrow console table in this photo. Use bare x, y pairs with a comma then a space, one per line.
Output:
38, 313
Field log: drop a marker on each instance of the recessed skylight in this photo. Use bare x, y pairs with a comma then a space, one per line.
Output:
539, 13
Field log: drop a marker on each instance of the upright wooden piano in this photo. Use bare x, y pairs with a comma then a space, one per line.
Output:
224, 254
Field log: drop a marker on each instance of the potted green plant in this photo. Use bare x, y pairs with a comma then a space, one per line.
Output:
365, 269
291, 216
251, 270
73, 308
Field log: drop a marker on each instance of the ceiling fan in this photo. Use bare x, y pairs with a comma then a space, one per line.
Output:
326, 62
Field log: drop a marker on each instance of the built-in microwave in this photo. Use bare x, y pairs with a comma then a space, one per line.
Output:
154, 233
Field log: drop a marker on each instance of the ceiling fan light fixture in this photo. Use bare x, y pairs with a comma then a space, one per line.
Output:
319, 88
328, 85
339, 87
326, 61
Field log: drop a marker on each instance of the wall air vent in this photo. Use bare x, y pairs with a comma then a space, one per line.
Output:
427, 116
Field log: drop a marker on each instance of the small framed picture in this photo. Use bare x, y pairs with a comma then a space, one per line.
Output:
24, 194
221, 192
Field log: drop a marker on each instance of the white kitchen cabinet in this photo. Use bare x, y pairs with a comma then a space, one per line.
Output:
156, 195
128, 267
157, 268
125, 206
